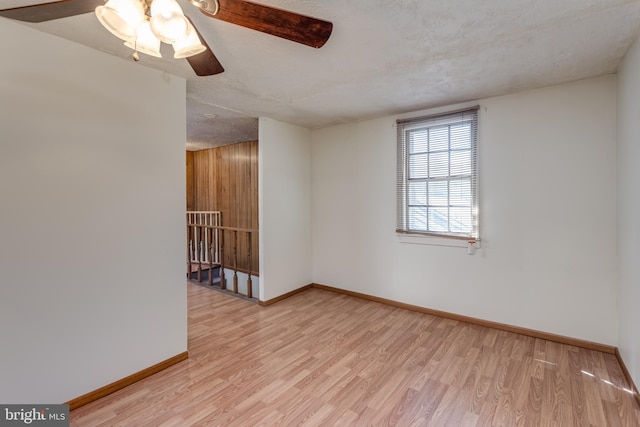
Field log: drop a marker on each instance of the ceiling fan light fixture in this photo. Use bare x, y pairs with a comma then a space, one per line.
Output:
165, 7
189, 45
121, 17
167, 21
145, 41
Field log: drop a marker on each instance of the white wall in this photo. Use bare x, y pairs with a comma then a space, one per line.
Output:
284, 164
629, 209
92, 190
547, 163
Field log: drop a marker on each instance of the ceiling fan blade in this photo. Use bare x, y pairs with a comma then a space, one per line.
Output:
277, 22
53, 10
204, 63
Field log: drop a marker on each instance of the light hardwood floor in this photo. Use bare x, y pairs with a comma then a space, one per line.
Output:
322, 358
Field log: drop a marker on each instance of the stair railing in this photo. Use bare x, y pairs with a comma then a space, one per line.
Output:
202, 246
210, 239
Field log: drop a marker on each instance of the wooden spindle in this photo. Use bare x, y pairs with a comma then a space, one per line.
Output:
223, 279
235, 261
249, 284
199, 252
188, 251
210, 253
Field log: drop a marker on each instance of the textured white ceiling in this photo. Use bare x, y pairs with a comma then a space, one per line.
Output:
384, 57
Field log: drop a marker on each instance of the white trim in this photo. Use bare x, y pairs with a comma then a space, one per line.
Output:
416, 239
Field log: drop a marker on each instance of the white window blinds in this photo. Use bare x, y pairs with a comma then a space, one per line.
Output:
437, 177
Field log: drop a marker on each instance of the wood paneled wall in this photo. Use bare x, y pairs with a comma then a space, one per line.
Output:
225, 179
190, 192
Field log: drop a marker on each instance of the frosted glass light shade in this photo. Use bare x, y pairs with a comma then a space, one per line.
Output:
145, 41
165, 6
189, 45
121, 17
167, 21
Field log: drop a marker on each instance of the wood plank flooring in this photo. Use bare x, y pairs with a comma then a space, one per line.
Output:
322, 359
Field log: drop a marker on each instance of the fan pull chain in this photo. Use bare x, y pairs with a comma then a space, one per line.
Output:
135, 55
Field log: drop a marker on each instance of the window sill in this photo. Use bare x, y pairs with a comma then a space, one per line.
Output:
418, 239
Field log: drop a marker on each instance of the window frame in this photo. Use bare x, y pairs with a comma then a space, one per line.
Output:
426, 123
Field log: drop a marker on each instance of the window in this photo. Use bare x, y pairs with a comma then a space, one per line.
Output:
437, 188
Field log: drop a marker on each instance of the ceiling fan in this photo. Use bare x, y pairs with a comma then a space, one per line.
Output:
277, 22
